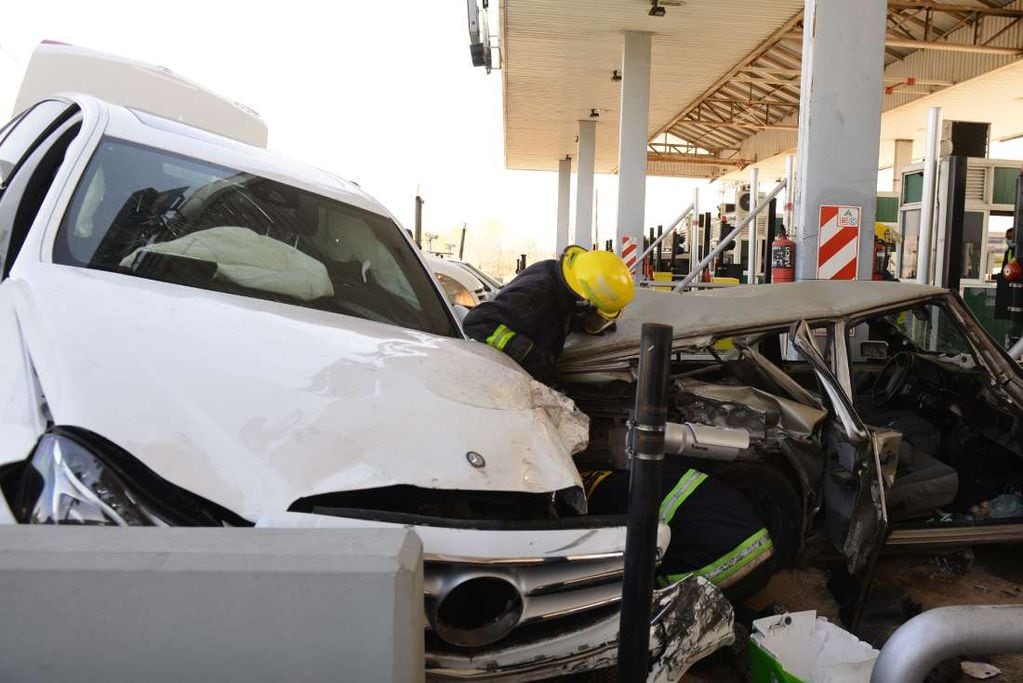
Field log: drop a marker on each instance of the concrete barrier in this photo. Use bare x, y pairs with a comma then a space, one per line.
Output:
143, 604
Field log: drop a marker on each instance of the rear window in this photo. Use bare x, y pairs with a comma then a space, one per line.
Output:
149, 213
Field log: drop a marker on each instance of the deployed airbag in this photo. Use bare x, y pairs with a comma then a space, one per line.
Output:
250, 260
794, 418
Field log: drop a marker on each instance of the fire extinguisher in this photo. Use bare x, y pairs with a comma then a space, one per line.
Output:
880, 259
783, 259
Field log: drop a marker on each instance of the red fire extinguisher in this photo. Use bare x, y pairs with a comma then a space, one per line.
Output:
783, 259
880, 259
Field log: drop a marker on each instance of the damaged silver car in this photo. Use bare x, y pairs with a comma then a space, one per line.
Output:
851, 414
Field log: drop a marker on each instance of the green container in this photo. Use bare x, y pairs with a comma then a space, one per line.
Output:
767, 669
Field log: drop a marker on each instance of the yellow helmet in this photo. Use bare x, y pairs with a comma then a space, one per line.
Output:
599, 277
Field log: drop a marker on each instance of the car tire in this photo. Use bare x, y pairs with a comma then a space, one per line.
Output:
775, 500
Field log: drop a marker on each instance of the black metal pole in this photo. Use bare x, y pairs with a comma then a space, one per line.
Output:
461, 243
1016, 288
772, 217
644, 498
419, 221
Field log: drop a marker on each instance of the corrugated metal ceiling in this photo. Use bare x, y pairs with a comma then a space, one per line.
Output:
722, 71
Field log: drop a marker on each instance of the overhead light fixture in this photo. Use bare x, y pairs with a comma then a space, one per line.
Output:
656, 10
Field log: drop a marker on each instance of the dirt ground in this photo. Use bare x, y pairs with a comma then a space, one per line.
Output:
988, 575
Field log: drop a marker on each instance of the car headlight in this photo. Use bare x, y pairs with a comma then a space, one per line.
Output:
75, 477
79, 489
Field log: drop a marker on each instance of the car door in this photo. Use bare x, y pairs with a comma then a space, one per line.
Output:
25, 146
854, 509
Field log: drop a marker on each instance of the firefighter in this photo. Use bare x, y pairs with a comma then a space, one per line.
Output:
530, 318
1001, 284
714, 531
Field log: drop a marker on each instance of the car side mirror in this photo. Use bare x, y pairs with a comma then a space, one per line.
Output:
6, 168
873, 350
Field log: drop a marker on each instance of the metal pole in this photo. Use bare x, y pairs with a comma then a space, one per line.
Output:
419, 221
1016, 288
927, 639
923, 252
671, 228
751, 235
728, 239
772, 218
647, 456
461, 243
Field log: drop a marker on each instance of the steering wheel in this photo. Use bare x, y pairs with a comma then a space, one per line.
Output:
890, 379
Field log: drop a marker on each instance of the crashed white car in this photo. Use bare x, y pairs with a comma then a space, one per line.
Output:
197, 332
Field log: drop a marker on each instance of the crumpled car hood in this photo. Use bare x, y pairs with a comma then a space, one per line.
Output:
254, 404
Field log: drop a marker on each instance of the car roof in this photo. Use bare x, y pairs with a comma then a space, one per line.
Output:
699, 315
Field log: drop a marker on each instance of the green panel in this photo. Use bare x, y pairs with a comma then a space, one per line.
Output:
888, 209
981, 302
912, 187
1004, 191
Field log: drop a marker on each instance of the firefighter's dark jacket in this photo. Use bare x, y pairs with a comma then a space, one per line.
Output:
529, 319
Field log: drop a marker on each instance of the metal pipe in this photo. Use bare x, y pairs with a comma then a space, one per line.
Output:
647, 457
923, 252
703, 441
923, 641
654, 243
751, 235
461, 242
723, 244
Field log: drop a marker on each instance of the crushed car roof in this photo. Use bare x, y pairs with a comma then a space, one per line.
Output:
714, 312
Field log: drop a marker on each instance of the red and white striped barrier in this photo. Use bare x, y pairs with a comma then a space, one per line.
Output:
838, 243
630, 252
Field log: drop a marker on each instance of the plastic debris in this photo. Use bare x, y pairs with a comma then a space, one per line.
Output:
979, 670
810, 649
1006, 505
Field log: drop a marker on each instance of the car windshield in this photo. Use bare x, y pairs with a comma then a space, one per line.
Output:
926, 329
153, 214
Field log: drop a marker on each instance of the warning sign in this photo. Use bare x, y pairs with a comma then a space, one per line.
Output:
838, 242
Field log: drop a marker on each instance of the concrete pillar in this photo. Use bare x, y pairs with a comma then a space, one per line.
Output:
903, 157
632, 137
839, 121
564, 197
584, 184
751, 231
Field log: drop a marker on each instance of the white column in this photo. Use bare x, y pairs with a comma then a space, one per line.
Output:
751, 231
584, 184
923, 250
839, 121
694, 230
564, 197
903, 157
789, 208
632, 137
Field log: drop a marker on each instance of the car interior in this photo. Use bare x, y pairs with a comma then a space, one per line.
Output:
917, 372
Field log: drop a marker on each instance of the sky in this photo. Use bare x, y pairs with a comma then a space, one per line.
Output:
381, 93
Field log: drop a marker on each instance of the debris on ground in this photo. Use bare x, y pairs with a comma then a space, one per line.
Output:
979, 670
805, 647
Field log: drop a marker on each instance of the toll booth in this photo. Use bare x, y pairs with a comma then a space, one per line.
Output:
977, 246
